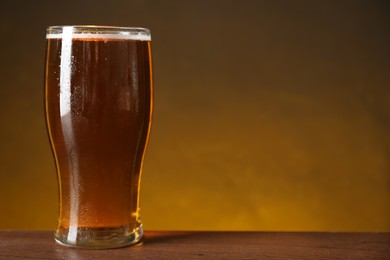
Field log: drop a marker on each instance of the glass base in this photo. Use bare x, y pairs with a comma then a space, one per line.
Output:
98, 238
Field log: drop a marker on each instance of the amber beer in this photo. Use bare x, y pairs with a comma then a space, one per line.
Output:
98, 105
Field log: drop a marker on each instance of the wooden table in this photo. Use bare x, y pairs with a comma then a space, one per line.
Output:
208, 245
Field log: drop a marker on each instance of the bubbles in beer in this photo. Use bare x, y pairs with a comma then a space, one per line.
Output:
99, 117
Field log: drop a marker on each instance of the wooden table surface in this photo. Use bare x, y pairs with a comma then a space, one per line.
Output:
207, 245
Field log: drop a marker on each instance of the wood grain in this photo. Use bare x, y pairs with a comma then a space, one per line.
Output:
208, 245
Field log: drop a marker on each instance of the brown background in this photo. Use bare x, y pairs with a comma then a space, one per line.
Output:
270, 115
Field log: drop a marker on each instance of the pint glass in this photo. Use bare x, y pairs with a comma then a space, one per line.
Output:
98, 107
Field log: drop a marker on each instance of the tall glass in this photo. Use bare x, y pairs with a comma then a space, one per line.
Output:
98, 106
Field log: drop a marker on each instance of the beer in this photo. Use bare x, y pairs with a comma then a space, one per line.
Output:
98, 105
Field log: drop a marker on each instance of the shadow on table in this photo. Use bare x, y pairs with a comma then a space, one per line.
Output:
167, 237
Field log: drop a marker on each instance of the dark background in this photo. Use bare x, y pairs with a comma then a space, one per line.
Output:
269, 115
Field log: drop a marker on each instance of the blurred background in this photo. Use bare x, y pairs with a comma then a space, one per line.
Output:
269, 115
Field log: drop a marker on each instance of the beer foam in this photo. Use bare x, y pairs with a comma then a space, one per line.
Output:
109, 36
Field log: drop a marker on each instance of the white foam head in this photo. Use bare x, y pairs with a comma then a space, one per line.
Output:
103, 32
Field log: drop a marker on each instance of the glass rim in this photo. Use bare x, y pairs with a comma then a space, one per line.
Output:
98, 31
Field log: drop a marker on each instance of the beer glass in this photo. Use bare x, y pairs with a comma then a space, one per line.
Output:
98, 107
